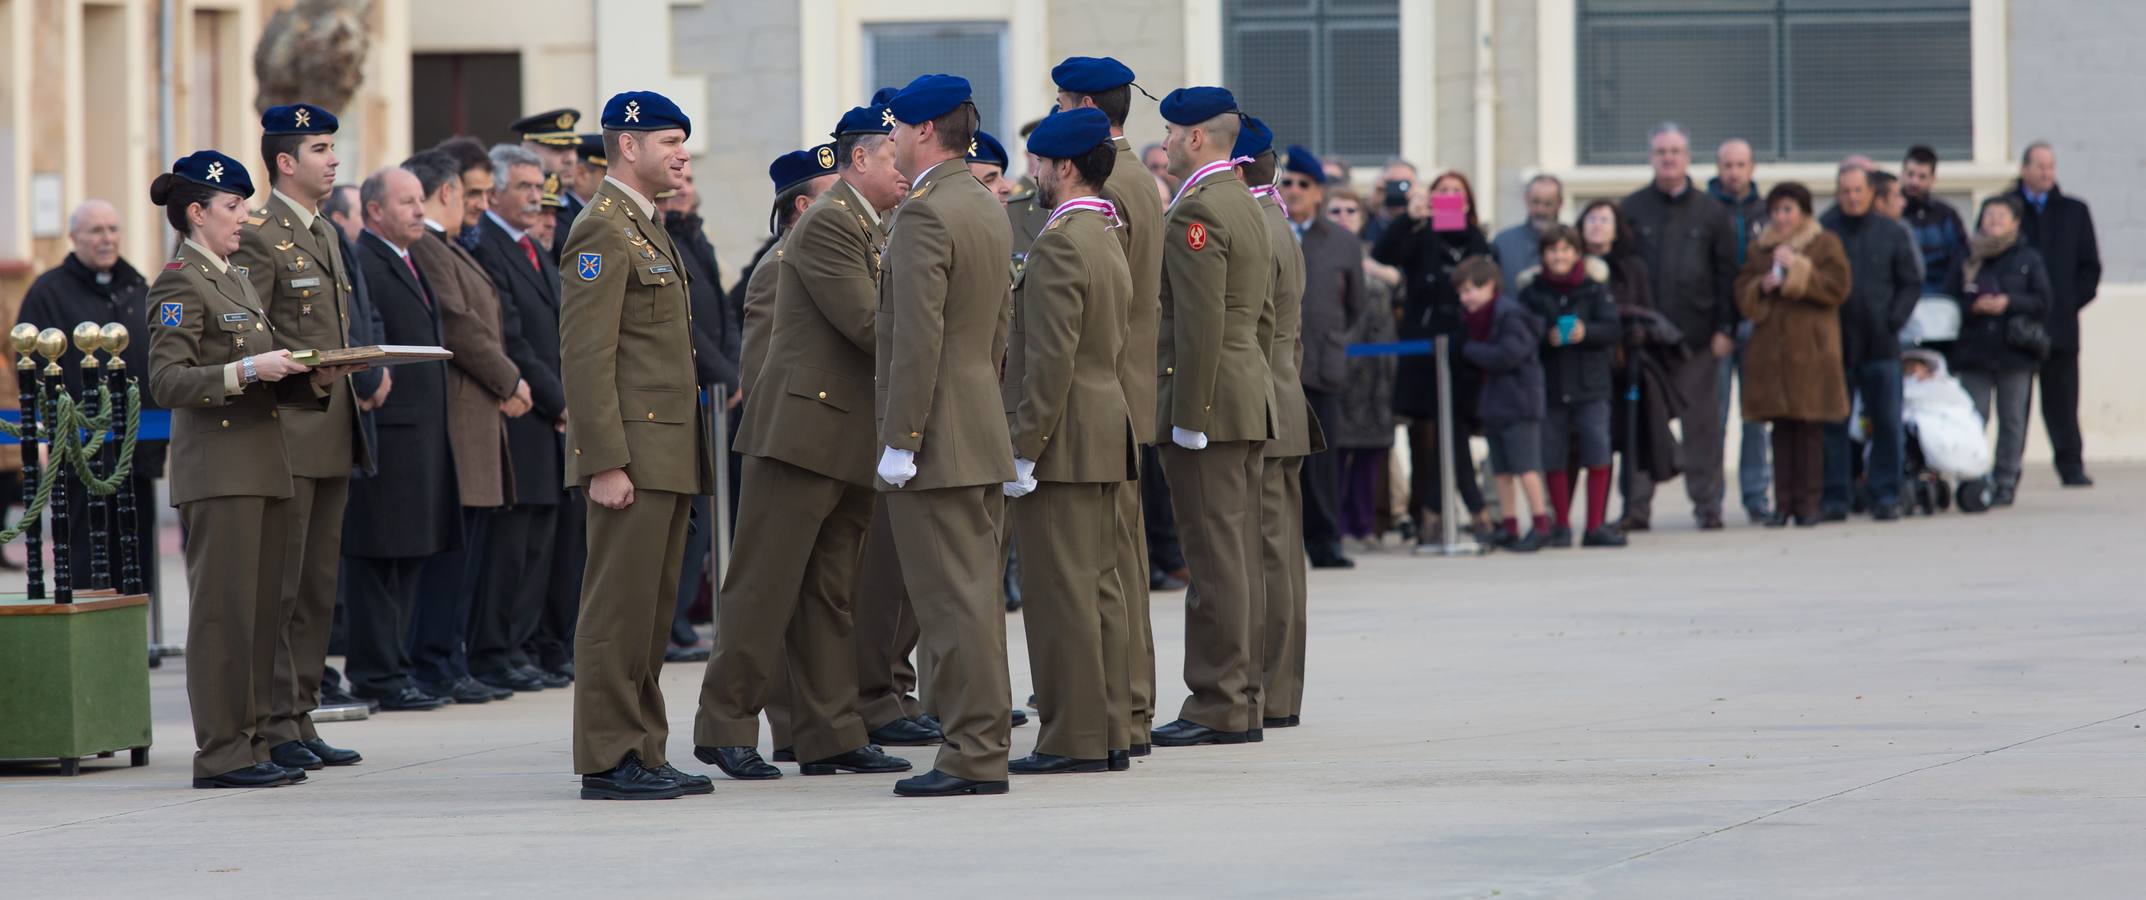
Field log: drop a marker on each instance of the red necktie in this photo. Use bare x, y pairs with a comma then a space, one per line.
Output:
530, 248
421, 295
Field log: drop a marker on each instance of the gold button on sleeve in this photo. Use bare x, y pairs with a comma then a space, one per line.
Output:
226, 423
823, 395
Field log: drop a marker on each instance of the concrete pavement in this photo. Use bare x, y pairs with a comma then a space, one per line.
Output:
1948, 707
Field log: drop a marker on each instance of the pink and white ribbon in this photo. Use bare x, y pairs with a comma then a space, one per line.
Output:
1110, 213
1264, 190
1220, 165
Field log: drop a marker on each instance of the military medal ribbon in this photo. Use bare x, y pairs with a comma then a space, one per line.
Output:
1098, 204
1220, 165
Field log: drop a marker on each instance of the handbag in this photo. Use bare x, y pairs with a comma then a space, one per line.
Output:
2026, 335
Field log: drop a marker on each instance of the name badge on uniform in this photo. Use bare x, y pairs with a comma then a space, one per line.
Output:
230, 317
659, 270
306, 282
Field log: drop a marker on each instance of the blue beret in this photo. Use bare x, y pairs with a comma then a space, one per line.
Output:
1253, 139
553, 127
1303, 163
1091, 74
1193, 105
872, 119
987, 149
209, 168
297, 118
881, 96
929, 97
644, 111
799, 166
1070, 134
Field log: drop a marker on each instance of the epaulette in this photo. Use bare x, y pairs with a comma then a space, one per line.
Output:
257, 219
175, 265
604, 207
920, 192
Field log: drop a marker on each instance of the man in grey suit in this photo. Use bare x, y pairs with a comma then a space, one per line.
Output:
1333, 295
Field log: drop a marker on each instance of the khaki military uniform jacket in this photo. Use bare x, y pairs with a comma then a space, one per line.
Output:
480, 377
1217, 269
1062, 359
222, 444
626, 353
759, 315
941, 329
302, 280
1293, 424
815, 410
1131, 188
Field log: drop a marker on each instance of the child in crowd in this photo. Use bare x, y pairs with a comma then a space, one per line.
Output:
1574, 298
1502, 342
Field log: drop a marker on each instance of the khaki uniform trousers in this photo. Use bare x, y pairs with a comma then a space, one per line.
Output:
1132, 560
785, 604
629, 591
1281, 525
1216, 495
234, 575
948, 542
1074, 613
313, 561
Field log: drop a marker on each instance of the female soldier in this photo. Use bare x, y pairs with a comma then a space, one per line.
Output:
213, 361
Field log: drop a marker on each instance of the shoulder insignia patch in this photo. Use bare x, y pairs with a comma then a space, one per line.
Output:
589, 265
1196, 236
174, 266
170, 313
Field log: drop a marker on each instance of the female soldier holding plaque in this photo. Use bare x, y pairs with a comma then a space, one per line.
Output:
213, 360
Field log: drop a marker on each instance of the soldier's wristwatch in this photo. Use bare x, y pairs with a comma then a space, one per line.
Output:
246, 373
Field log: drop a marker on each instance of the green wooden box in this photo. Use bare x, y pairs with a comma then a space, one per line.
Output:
74, 679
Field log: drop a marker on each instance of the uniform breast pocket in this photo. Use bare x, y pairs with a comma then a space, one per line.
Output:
661, 303
663, 406
240, 330
822, 387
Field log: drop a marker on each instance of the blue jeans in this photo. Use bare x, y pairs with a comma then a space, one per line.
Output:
1877, 381
1753, 474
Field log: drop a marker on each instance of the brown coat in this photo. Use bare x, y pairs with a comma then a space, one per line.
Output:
1792, 367
480, 377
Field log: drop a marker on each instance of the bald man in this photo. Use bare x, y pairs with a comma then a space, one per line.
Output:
1738, 192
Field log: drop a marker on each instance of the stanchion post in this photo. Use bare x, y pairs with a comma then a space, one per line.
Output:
89, 338
1450, 543
116, 340
52, 342
30, 390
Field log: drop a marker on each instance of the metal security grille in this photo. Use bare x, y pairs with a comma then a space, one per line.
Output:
1323, 73
895, 54
1802, 80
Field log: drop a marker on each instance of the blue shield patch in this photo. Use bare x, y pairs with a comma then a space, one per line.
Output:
590, 265
169, 314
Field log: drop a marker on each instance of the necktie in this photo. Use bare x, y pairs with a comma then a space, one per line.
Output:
529, 247
421, 295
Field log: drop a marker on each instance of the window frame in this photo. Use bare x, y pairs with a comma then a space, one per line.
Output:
1321, 20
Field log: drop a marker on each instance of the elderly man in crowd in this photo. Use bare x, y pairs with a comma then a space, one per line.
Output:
1690, 249
1333, 298
1738, 192
1881, 295
1515, 247
2061, 227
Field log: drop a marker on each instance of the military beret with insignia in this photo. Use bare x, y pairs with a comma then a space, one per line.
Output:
554, 127
297, 118
986, 149
1070, 134
1253, 139
799, 166
871, 119
1090, 74
644, 111
209, 168
1193, 105
1303, 163
929, 97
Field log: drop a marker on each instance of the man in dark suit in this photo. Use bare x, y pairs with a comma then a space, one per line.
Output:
408, 512
533, 554
1333, 292
2061, 228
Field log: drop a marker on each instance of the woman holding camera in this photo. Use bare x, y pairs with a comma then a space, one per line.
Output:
214, 362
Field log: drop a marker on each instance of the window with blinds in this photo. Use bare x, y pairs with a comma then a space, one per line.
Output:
1802, 80
1322, 73
898, 53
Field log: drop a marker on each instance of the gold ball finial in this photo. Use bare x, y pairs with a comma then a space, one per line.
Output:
25, 338
51, 342
116, 339
89, 336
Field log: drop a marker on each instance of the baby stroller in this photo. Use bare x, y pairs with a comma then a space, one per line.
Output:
1945, 439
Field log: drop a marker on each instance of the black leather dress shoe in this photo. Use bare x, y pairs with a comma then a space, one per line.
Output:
1332, 559
514, 680
563, 669
694, 784
939, 784
409, 699
1120, 760
332, 756
905, 733
784, 754
741, 763
291, 774
1815, 521
464, 690
1779, 519
1184, 733
1255, 735
1142, 749
334, 695
2075, 478
1278, 722
1019, 718
930, 721
550, 680
630, 780
1889, 512
294, 755
258, 775
865, 760
1046, 764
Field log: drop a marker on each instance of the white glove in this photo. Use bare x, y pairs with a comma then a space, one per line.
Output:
1190, 440
1024, 478
896, 467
